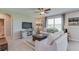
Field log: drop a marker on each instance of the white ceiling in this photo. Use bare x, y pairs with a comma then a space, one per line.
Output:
30, 12
61, 11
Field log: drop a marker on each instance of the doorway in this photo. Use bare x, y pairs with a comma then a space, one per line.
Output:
1, 27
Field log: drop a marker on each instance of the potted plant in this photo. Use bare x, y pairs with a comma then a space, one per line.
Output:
52, 30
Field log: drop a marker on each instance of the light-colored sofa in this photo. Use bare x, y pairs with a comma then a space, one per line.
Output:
54, 42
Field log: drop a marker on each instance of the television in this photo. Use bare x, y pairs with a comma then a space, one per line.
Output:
26, 25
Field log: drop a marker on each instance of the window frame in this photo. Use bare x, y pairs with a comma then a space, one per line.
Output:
54, 17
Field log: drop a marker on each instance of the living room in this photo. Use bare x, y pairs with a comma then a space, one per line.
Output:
22, 26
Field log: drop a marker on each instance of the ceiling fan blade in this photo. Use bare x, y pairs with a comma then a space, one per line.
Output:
47, 9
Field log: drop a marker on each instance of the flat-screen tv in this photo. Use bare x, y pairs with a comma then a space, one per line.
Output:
26, 25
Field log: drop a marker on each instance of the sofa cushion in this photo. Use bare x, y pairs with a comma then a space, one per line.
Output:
53, 36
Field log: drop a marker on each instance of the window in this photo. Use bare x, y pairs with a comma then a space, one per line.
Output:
58, 23
55, 22
50, 23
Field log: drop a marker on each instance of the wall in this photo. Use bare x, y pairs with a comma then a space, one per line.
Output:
17, 24
74, 30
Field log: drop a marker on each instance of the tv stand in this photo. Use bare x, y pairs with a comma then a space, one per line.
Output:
26, 32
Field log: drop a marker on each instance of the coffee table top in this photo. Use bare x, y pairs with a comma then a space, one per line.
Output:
40, 36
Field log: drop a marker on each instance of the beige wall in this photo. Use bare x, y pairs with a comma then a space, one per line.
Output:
73, 30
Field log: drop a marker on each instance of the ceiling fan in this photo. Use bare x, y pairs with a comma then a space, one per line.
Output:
42, 10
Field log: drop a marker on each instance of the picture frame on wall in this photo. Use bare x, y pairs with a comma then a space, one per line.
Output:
73, 21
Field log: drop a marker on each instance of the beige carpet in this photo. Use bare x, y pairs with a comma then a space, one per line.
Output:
17, 45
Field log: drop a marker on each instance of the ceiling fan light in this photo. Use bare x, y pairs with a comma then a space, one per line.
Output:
42, 13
